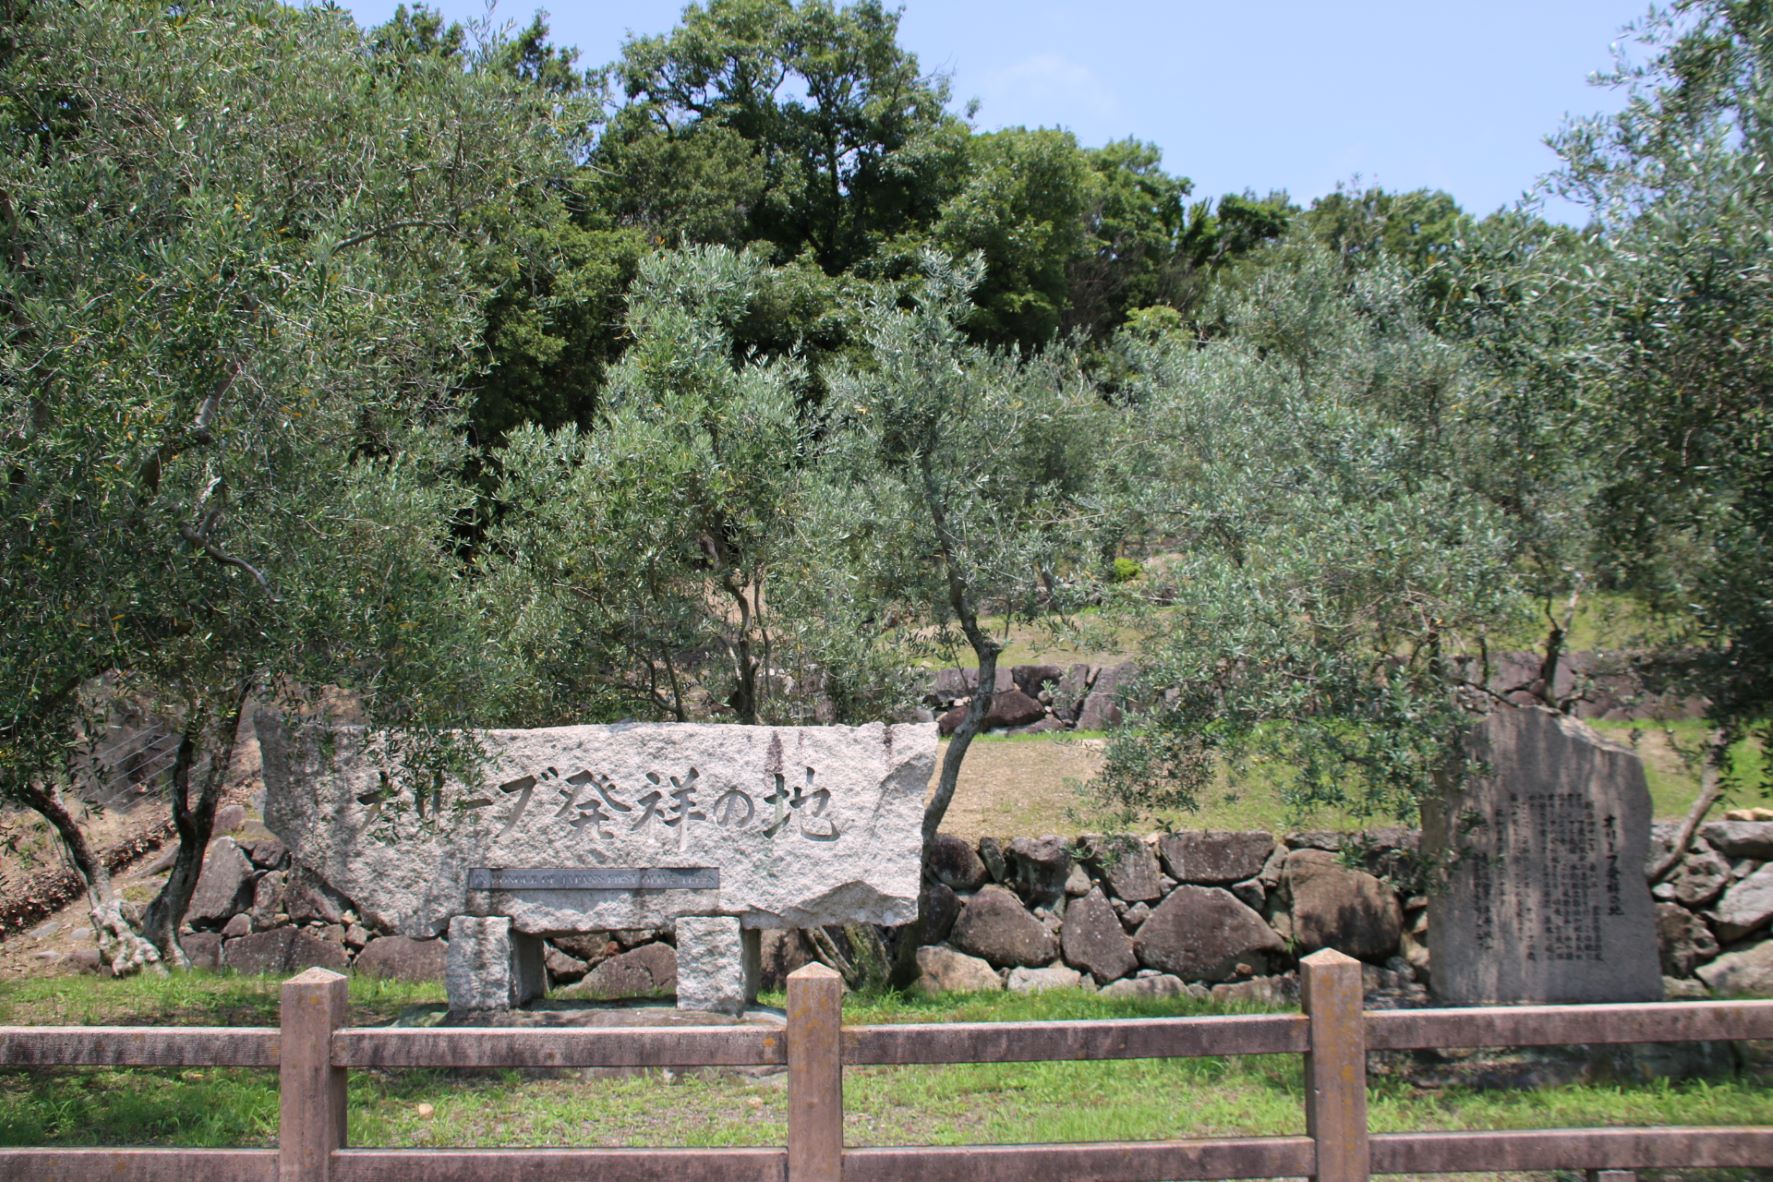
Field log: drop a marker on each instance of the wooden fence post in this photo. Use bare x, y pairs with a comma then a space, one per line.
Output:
815, 1074
311, 1119
1336, 1065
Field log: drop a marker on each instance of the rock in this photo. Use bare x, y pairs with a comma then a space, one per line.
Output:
162, 861
994, 924
1069, 694
491, 966
1335, 907
940, 908
1128, 866
1684, 940
1024, 980
1077, 883
1044, 725
239, 925
307, 899
1757, 813
1039, 868
223, 888
1545, 901
356, 936
202, 949
941, 969
1698, 878
1012, 708
991, 853
1133, 915
1745, 906
1282, 990
86, 958
1094, 940
1034, 679
1102, 709
1251, 893
1330, 840
953, 861
267, 853
1215, 856
591, 947
1158, 985
950, 721
1745, 973
647, 971
403, 959
281, 952
1202, 934
951, 684
717, 964
268, 898
230, 818
779, 953
1741, 839
807, 825
635, 937
1684, 989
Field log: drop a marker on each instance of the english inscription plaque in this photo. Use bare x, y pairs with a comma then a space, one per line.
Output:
602, 878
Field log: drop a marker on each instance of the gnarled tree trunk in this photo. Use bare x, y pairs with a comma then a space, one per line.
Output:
121, 947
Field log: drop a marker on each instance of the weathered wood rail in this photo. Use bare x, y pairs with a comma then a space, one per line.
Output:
313, 1051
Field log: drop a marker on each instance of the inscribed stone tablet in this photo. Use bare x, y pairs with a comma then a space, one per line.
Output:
1545, 899
805, 825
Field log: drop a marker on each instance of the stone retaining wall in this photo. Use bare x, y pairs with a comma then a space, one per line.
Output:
1205, 913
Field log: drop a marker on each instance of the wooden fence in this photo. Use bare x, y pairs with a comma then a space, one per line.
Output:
313, 1050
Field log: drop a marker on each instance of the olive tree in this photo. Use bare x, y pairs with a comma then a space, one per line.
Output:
234, 250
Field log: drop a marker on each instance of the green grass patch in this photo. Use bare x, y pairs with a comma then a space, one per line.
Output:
960, 1104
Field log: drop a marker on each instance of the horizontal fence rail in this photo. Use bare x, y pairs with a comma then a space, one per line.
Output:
313, 1051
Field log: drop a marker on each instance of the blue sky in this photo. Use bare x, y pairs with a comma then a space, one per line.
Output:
1449, 94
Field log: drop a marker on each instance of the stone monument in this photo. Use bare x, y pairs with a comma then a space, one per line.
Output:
1543, 850
718, 831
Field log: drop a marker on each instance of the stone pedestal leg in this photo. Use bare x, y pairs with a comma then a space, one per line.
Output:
491, 966
717, 964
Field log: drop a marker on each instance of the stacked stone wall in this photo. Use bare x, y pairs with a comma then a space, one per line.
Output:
1222, 914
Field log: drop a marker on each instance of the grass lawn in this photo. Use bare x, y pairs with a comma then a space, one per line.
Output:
1016, 785
1132, 1100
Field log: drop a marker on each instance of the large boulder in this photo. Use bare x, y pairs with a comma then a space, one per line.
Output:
1072, 690
1746, 906
1741, 839
1128, 866
647, 971
1102, 708
954, 862
1203, 934
995, 925
1093, 940
403, 958
1335, 907
283, 951
1684, 940
1040, 980
267, 900
1745, 973
1696, 880
941, 969
1034, 679
1039, 869
1215, 856
938, 909
308, 899
224, 887
1012, 708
